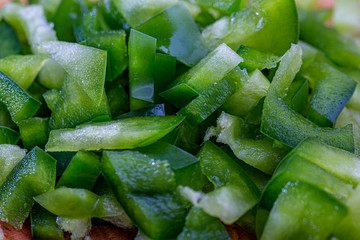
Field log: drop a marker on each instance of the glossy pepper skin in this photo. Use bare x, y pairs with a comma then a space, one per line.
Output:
282, 123
33, 175
18, 102
177, 34
148, 197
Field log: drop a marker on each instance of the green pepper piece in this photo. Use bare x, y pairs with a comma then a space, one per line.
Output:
10, 156
257, 151
176, 34
120, 134
85, 65
74, 107
231, 182
253, 87
331, 91
199, 225
207, 102
8, 136
9, 43
157, 179
18, 102
282, 123
34, 132
294, 168
336, 47
211, 69
137, 11
159, 216
43, 224
142, 52
185, 166
82, 171
33, 175
256, 59
340, 163
303, 211
78, 203
253, 25
65, 16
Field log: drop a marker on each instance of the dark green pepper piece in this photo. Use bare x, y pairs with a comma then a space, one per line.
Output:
34, 132
43, 224
33, 175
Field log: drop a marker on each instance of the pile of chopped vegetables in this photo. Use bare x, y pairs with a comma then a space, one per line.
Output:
178, 117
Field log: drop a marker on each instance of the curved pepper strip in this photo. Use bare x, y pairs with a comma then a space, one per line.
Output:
331, 91
78, 203
8, 136
33, 175
258, 152
282, 123
177, 34
18, 102
120, 134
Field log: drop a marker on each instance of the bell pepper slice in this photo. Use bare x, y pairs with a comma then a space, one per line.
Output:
282, 123
258, 151
253, 87
120, 134
340, 163
303, 211
9, 43
78, 203
73, 106
233, 187
64, 18
185, 166
211, 69
8, 136
22, 69
34, 132
159, 215
82, 171
43, 224
199, 225
33, 175
137, 11
331, 91
142, 52
86, 65
18, 102
10, 156
213, 97
294, 168
177, 34
252, 26
164, 73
